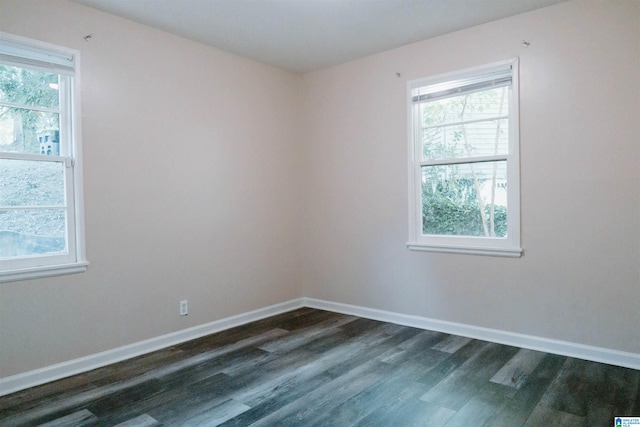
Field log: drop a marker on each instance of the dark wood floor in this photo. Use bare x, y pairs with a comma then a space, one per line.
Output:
317, 368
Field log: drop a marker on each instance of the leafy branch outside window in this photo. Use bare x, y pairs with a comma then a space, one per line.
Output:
465, 198
28, 108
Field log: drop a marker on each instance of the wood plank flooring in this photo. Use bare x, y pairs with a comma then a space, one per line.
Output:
316, 368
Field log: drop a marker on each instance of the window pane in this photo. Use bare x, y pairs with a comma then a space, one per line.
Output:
467, 140
31, 183
465, 200
26, 232
481, 105
466, 125
25, 86
29, 131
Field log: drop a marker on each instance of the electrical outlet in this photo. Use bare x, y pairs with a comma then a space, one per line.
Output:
184, 308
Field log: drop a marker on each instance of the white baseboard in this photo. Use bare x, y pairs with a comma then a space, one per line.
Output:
84, 364
563, 348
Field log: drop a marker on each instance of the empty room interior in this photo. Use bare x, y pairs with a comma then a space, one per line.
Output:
257, 217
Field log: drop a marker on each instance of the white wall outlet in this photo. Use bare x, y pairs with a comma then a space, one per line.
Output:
184, 308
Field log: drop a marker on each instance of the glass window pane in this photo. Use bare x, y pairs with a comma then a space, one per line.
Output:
27, 232
31, 183
25, 86
471, 106
467, 140
465, 200
29, 131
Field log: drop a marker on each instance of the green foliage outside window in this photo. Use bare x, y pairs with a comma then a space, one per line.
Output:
20, 125
29, 110
468, 198
451, 208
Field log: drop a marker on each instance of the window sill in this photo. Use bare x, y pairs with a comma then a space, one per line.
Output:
39, 272
469, 250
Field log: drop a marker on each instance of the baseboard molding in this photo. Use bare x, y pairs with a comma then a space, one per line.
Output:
47, 374
563, 348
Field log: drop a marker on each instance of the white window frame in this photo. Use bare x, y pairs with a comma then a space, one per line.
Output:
23, 52
508, 246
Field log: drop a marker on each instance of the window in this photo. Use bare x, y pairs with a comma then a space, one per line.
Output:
41, 226
464, 162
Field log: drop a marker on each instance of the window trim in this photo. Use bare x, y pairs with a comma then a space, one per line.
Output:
493, 246
66, 62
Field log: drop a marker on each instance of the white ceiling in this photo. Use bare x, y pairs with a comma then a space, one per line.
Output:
306, 35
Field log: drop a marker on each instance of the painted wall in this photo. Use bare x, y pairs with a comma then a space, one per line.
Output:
198, 186
579, 278
188, 159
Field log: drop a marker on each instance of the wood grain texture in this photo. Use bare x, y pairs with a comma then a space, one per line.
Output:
515, 372
317, 368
